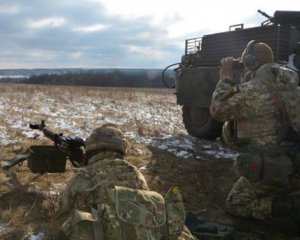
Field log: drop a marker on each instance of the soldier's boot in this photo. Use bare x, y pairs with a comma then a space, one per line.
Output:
288, 206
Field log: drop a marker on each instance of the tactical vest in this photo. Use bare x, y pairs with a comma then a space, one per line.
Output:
131, 214
269, 123
274, 163
123, 212
257, 127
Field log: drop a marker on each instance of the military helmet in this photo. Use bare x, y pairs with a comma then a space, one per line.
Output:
106, 137
257, 54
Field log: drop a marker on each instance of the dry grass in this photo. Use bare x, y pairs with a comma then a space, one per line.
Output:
34, 102
29, 203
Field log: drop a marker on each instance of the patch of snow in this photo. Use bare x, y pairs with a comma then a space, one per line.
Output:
5, 138
144, 168
184, 146
206, 146
141, 152
136, 138
39, 236
18, 124
181, 146
5, 229
223, 153
30, 134
55, 189
183, 154
54, 193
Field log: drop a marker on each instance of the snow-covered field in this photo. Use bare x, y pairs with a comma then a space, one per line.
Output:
147, 117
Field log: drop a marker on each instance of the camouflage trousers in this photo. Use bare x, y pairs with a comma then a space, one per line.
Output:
249, 200
254, 200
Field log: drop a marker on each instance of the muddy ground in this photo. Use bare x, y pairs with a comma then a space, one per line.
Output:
29, 202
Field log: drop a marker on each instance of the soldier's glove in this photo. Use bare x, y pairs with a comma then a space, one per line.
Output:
226, 71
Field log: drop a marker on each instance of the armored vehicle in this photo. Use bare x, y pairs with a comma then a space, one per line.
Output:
198, 72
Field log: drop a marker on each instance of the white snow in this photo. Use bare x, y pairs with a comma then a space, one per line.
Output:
79, 115
153, 121
223, 154
5, 138
185, 147
38, 236
181, 146
5, 229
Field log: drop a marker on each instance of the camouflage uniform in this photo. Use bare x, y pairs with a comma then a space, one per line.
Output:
259, 126
110, 199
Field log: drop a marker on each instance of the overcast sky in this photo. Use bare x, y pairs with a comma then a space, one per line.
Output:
116, 33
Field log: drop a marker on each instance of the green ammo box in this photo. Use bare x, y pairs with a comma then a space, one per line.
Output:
46, 159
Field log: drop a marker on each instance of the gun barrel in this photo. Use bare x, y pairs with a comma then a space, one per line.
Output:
51, 135
264, 14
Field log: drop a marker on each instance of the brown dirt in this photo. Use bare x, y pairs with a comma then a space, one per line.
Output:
29, 202
204, 184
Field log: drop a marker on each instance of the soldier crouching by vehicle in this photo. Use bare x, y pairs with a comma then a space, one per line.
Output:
110, 199
259, 111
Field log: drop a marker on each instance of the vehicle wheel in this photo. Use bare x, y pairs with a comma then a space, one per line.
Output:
200, 124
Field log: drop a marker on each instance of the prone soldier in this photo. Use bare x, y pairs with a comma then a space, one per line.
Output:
110, 199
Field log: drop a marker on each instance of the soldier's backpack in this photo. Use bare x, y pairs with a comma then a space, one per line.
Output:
131, 214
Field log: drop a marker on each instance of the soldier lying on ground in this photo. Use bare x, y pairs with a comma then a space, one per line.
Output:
110, 199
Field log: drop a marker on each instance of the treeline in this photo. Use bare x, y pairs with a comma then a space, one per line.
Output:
117, 78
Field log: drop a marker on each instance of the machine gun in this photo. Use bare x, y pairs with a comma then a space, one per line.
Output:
52, 159
282, 18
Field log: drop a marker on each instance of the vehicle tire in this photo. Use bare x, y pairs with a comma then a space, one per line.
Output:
199, 123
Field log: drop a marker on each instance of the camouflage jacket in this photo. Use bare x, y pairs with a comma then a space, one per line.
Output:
251, 106
113, 193
108, 172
